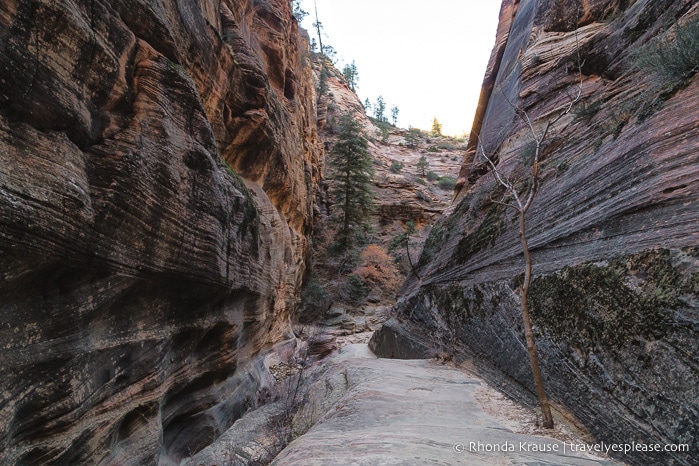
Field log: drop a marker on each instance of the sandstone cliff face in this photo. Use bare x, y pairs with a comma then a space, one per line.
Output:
139, 274
399, 196
614, 229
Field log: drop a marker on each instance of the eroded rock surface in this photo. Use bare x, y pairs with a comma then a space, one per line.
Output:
368, 411
400, 195
614, 228
139, 274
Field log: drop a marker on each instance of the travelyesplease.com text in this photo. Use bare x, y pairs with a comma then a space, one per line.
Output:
568, 447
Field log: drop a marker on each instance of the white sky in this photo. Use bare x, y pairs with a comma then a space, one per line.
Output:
426, 57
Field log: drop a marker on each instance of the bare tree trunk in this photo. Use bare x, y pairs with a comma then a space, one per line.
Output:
410, 261
528, 333
320, 38
346, 219
522, 205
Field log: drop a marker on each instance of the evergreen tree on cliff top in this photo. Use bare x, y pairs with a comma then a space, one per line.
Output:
352, 170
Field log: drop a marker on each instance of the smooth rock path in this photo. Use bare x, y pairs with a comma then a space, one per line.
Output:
394, 412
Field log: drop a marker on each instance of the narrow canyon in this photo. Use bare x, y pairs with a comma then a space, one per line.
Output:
168, 290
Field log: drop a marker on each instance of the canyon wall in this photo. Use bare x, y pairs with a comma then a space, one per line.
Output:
157, 168
614, 228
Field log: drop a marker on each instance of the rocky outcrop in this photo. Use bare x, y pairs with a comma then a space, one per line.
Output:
140, 274
614, 228
407, 194
394, 342
400, 195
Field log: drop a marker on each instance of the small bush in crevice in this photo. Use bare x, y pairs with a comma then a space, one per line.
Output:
672, 61
315, 300
396, 167
586, 110
447, 183
356, 289
412, 139
448, 146
432, 176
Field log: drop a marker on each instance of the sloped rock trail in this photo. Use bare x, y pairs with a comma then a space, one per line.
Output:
413, 412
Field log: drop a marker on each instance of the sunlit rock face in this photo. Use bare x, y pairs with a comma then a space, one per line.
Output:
139, 275
614, 229
398, 196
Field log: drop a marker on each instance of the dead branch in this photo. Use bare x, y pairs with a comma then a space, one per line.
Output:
522, 208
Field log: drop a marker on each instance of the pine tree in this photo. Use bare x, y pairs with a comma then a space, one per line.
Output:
423, 165
394, 115
352, 170
351, 75
298, 12
380, 109
436, 127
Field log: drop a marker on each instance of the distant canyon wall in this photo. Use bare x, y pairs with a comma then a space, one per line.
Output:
158, 162
614, 229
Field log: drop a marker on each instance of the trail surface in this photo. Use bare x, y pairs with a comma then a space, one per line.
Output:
371, 411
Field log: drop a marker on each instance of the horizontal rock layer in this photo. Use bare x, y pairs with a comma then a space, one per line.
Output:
140, 275
400, 195
613, 229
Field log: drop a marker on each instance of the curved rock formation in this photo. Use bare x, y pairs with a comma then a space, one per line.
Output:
139, 274
614, 229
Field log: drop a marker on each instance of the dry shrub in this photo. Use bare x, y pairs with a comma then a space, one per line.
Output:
375, 255
377, 270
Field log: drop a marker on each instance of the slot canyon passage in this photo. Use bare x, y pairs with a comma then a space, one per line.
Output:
170, 288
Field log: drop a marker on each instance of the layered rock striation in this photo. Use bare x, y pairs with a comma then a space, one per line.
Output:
614, 229
401, 195
157, 168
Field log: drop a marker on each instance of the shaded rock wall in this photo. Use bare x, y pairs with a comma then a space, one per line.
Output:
613, 230
139, 274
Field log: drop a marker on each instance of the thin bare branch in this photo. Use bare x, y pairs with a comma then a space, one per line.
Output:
505, 204
498, 176
501, 178
538, 138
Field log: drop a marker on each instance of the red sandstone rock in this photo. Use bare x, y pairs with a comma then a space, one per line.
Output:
139, 276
